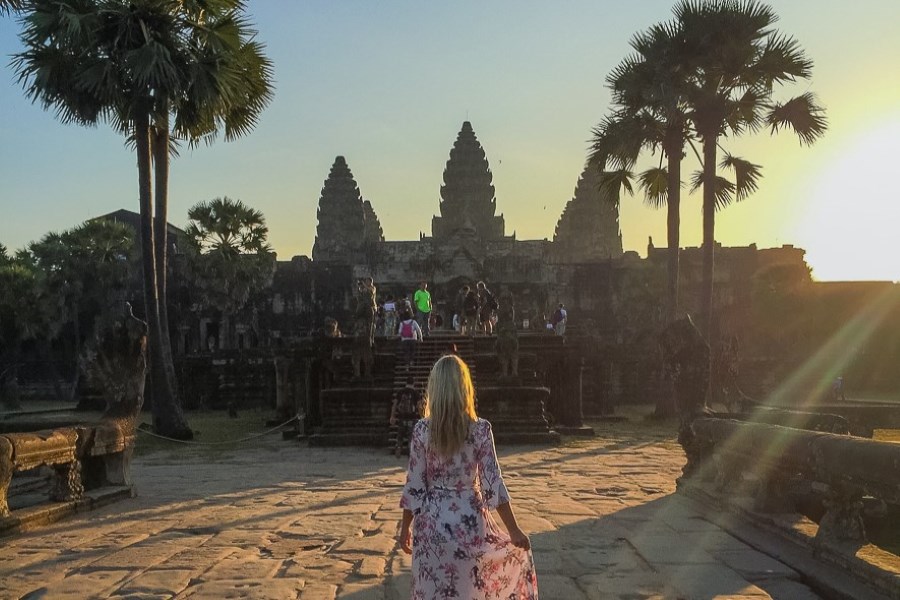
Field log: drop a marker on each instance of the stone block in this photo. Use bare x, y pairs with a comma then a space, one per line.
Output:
709, 581
96, 584
379, 545
249, 589
372, 566
156, 583
559, 587
755, 566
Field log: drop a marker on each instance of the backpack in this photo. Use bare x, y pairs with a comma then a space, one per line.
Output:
407, 400
470, 303
492, 303
406, 330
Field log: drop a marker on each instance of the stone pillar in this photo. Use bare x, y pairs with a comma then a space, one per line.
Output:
6, 471
842, 524
572, 417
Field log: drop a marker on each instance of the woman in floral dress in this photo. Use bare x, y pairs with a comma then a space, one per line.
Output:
453, 480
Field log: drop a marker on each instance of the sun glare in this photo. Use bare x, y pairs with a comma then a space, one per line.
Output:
851, 224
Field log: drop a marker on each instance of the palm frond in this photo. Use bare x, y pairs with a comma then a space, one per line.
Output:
613, 182
746, 175
801, 114
654, 183
724, 189
781, 59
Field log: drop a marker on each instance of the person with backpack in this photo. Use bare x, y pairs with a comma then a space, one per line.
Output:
559, 320
470, 312
407, 408
487, 305
410, 334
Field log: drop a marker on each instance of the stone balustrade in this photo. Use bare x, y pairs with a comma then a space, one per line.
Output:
82, 458
770, 462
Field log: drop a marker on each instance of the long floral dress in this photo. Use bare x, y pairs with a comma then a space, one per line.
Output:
459, 551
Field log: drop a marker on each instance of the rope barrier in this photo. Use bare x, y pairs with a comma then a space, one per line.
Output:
222, 443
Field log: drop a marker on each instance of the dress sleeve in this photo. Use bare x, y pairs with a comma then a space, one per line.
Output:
492, 487
414, 491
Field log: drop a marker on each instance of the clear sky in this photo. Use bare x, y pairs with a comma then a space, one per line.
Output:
388, 84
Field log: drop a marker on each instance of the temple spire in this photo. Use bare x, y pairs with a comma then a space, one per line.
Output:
373, 232
342, 216
588, 228
468, 206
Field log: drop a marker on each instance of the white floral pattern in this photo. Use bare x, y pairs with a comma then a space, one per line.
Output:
459, 551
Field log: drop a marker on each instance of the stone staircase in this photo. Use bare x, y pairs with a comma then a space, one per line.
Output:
358, 413
428, 351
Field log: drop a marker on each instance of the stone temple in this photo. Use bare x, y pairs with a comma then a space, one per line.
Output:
468, 240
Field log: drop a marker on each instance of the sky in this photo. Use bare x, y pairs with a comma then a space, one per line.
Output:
388, 85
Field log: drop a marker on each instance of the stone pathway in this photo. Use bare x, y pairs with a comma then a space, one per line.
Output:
282, 521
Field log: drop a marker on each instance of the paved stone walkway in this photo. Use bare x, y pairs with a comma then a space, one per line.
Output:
284, 521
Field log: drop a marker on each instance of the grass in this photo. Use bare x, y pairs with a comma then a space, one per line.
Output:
210, 427
887, 435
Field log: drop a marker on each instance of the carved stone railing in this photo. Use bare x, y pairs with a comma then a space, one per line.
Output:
82, 458
776, 479
768, 462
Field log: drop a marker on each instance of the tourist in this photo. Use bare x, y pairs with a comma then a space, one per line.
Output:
408, 407
410, 334
368, 291
469, 311
560, 317
837, 389
452, 482
422, 300
361, 357
487, 304
390, 316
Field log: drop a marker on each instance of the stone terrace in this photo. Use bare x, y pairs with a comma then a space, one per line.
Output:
282, 521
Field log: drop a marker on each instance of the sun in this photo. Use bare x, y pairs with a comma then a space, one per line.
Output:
851, 227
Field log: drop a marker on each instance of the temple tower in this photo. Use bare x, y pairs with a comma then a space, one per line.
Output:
588, 229
468, 207
373, 232
342, 216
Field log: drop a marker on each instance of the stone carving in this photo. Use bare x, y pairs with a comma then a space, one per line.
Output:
841, 469
588, 228
363, 331
468, 207
117, 364
686, 360
507, 345
342, 230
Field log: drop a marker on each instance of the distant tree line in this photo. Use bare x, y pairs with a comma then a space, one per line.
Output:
159, 72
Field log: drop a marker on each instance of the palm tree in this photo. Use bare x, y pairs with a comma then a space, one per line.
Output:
649, 100
736, 61
133, 63
8, 6
230, 86
232, 258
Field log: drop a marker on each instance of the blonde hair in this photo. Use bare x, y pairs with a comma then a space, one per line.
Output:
450, 404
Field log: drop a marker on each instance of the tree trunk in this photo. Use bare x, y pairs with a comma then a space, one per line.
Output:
709, 235
665, 402
160, 149
709, 245
673, 231
168, 419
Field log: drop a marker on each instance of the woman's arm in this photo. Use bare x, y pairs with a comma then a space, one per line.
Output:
405, 537
517, 536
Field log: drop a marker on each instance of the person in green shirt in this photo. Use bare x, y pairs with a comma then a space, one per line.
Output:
422, 300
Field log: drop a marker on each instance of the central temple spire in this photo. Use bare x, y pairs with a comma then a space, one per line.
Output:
468, 207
